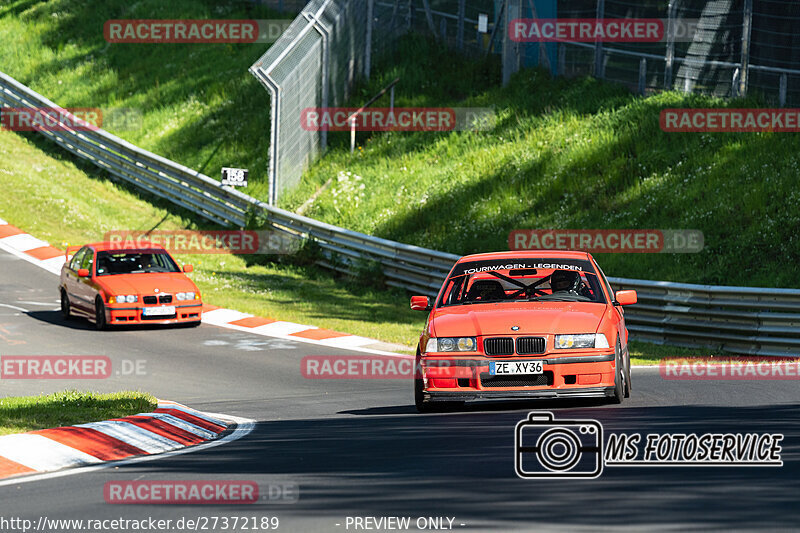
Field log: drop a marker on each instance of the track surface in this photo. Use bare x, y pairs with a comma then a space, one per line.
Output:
359, 448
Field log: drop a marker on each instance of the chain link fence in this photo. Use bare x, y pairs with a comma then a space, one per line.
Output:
315, 63
737, 47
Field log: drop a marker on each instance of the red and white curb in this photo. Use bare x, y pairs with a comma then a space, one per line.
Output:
171, 426
16, 242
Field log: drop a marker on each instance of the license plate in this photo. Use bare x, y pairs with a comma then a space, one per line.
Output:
505, 368
159, 311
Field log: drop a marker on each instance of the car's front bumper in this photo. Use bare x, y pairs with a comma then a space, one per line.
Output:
124, 314
581, 375
519, 394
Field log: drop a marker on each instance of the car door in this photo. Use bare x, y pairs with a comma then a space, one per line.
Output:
85, 287
72, 282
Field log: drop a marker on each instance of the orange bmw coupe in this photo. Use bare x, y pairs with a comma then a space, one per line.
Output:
111, 284
537, 324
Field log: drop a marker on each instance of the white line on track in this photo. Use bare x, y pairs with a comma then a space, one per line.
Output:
15, 307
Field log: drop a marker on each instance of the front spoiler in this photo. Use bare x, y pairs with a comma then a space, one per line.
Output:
587, 392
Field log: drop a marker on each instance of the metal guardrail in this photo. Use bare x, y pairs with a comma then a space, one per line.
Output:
743, 320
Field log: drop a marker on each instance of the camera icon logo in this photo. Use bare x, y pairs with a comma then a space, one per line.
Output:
548, 448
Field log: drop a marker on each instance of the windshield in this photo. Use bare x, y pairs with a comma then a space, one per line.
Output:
516, 280
110, 263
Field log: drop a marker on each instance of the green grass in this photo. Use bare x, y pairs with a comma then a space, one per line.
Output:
67, 408
645, 353
566, 153
199, 105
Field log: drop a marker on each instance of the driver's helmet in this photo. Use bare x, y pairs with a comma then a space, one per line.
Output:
565, 280
146, 260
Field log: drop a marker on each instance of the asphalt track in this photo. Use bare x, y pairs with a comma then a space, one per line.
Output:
358, 448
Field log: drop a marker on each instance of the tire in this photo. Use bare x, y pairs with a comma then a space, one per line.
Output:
619, 379
100, 315
628, 382
425, 405
66, 310
422, 404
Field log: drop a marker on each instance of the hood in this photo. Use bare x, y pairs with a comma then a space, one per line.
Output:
533, 318
168, 282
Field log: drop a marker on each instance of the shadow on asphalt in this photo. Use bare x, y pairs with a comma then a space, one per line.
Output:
79, 323
461, 464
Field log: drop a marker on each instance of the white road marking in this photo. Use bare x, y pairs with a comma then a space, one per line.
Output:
183, 424
23, 242
41, 453
15, 307
133, 435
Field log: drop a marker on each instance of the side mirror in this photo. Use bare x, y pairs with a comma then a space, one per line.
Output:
188, 268
626, 297
83, 272
420, 303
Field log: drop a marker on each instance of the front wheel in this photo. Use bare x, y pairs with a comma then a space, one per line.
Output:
619, 379
99, 314
66, 310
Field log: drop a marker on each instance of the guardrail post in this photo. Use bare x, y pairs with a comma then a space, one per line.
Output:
642, 75
352, 135
368, 47
669, 55
782, 90
747, 22
599, 67
462, 7
511, 49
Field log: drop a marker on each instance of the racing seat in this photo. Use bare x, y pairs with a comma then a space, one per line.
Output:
486, 289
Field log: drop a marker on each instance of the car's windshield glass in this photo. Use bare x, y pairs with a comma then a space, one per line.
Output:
110, 263
515, 280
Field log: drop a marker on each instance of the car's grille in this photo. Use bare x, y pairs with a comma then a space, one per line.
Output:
161, 298
530, 345
498, 346
536, 380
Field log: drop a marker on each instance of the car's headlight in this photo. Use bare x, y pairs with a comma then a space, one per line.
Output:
123, 299
451, 344
185, 296
586, 340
